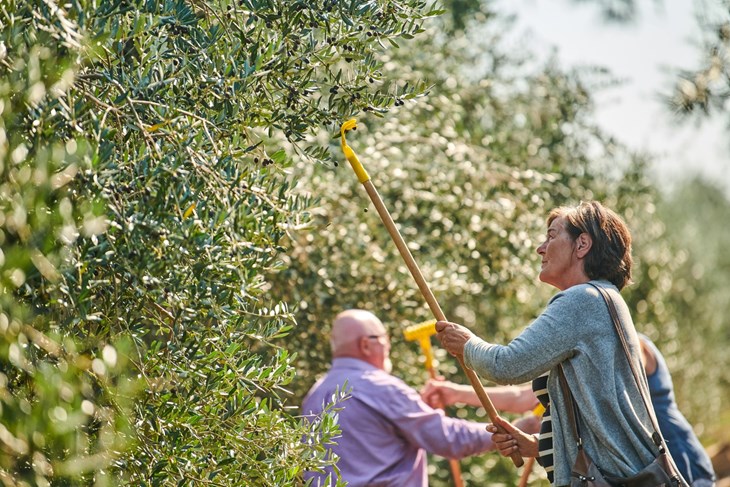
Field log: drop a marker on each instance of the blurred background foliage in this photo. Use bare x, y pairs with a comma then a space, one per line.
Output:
178, 231
704, 88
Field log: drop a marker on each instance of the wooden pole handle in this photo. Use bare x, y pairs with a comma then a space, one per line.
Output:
432, 303
453, 462
526, 472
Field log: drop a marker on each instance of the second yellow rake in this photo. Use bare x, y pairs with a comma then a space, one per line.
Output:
422, 333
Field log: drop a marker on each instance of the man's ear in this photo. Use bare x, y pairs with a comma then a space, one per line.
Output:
365, 346
583, 244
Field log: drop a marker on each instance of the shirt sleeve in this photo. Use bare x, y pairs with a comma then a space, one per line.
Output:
557, 334
420, 425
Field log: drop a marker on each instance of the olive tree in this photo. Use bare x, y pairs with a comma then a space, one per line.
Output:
145, 198
677, 297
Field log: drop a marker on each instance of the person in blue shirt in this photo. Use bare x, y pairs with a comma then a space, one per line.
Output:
687, 451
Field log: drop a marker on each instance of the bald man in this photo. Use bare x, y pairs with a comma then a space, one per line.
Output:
386, 427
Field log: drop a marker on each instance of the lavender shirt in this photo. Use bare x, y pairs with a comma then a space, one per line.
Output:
387, 429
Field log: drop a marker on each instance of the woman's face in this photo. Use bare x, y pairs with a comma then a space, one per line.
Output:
560, 265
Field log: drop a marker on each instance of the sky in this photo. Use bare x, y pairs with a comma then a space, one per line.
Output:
644, 54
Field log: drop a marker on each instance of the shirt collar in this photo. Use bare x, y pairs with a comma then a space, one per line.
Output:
351, 363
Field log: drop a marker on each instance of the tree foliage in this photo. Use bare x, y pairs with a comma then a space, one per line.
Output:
691, 313
705, 89
64, 405
144, 200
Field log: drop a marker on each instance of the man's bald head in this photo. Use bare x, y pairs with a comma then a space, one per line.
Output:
359, 334
349, 327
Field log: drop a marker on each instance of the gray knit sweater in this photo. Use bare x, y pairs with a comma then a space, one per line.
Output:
576, 330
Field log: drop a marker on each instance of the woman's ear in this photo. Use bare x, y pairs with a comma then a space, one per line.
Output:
583, 244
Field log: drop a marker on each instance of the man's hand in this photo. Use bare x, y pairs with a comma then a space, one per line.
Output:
438, 393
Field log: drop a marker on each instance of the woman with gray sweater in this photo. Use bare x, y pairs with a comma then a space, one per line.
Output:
585, 245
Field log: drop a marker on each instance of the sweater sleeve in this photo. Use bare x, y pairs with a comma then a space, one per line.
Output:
556, 335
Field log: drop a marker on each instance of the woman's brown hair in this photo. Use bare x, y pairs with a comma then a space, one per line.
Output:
610, 254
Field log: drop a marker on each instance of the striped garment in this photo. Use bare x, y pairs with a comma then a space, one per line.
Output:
545, 440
